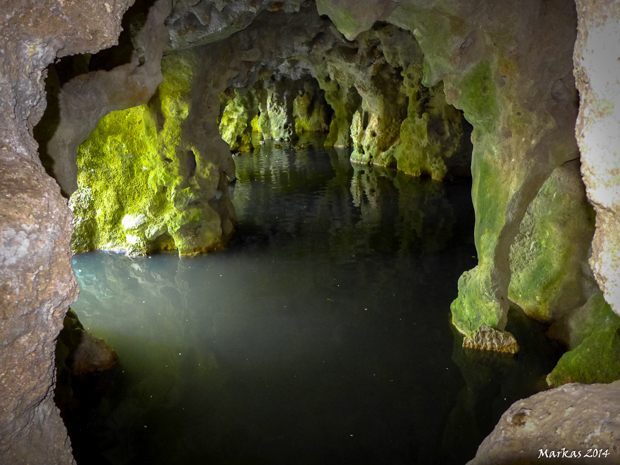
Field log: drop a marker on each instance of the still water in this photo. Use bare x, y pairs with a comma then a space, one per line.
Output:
321, 335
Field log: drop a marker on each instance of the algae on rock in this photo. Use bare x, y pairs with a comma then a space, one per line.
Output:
549, 258
140, 188
592, 332
236, 122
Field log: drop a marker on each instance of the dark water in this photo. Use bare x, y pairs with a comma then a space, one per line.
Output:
320, 336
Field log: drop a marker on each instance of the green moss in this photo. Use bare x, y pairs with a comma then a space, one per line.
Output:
234, 127
310, 114
597, 357
345, 101
552, 248
133, 181
478, 97
476, 303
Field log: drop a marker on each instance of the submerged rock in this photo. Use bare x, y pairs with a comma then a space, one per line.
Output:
79, 358
492, 339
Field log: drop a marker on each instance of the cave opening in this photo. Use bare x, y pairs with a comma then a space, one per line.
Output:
328, 175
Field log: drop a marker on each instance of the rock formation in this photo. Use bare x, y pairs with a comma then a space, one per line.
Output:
35, 224
154, 169
514, 82
570, 424
373, 85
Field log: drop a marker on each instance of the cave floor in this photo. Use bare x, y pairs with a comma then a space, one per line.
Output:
320, 335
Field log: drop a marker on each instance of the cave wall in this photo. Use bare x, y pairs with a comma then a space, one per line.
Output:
87, 98
35, 224
373, 85
597, 67
510, 71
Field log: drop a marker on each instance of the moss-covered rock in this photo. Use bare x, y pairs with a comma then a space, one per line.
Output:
395, 121
344, 101
236, 123
549, 257
433, 136
140, 188
280, 110
593, 335
310, 110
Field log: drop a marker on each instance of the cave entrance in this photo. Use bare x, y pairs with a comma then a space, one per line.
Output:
325, 321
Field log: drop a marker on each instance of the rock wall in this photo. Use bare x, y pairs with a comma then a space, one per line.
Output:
143, 186
510, 71
35, 261
84, 100
597, 67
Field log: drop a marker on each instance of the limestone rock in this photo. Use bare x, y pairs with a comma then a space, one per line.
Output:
310, 109
136, 166
487, 338
84, 100
598, 133
565, 423
36, 278
234, 125
516, 89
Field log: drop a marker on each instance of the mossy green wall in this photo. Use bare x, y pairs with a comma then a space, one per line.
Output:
234, 126
140, 188
593, 334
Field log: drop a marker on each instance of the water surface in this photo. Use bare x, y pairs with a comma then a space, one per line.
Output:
321, 335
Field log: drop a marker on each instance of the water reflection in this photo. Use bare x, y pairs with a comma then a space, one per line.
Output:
321, 335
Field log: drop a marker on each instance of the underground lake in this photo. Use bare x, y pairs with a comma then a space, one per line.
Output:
309, 232
321, 334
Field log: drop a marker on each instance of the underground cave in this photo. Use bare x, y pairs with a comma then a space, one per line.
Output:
309, 231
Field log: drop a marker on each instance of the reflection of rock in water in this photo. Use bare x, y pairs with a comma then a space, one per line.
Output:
424, 217
324, 319
496, 380
86, 370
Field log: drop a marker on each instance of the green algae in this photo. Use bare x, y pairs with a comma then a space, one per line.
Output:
137, 180
310, 114
478, 97
595, 357
476, 303
553, 241
234, 127
430, 135
344, 101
